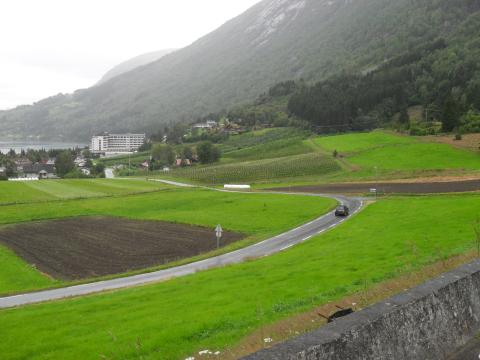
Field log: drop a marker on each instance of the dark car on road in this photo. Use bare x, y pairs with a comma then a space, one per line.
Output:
342, 210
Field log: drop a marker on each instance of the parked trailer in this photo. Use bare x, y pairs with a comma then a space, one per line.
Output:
237, 187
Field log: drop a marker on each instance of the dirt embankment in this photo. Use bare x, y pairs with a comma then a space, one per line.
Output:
80, 248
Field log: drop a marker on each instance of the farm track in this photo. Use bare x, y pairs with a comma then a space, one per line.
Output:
265, 248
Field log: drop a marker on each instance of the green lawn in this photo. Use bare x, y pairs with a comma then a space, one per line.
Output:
362, 141
215, 309
13, 192
417, 156
135, 159
255, 215
16, 274
19, 192
269, 150
397, 154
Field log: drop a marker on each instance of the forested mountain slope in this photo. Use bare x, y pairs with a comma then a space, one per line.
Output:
273, 41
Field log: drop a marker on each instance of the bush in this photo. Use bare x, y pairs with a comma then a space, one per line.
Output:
76, 174
470, 122
64, 163
162, 155
207, 153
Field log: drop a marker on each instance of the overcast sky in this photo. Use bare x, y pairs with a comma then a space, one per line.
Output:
53, 46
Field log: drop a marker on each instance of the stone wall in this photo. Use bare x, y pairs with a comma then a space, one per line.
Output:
427, 322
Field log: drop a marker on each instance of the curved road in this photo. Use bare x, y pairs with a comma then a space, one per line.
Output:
264, 248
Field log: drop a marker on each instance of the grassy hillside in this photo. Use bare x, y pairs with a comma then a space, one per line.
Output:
314, 164
354, 142
265, 144
273, 214
386, 154
289, 156
273, 41
229, 303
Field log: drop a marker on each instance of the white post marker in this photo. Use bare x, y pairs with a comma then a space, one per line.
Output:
218, 233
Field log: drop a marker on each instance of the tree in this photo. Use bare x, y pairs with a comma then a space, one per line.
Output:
98, 169
450, 115
146, 146
87, 154
404, 117
207, 153
177, 133
187, 153
10, 167
162, 155
64, 163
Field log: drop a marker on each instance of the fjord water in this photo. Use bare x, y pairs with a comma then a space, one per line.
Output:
18, 146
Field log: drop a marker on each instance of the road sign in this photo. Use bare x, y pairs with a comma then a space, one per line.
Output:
218, 233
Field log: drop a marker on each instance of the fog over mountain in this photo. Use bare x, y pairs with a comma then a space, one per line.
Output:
134, 63
273, 41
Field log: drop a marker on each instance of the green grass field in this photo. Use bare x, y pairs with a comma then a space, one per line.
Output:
134, 159
395, 152
419, 156
20, 192
273, 214
270, 150
217, 308
354, 142
382, 153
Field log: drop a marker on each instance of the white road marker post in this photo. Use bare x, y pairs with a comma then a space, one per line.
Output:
218, 233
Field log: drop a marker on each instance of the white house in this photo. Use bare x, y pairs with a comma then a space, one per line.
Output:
210, 124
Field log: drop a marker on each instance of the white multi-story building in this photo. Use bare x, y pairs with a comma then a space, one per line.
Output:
116, 143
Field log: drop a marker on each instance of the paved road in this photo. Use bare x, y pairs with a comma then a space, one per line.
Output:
264, 248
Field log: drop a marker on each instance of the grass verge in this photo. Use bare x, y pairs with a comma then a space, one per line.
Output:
274, 214
216, 309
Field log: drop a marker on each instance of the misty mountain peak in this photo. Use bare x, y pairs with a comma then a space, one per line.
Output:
276, 14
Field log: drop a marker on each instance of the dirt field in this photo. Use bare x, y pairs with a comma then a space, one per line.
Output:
82, 248
469, 141
390, 187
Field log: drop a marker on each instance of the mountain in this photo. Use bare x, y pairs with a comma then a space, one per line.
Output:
134, 63
273, 41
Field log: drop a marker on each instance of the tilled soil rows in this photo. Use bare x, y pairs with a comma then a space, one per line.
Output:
389, 188
79, 248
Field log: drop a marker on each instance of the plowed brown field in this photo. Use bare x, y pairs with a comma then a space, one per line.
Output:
80, 248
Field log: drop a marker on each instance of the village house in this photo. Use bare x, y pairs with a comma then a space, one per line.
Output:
145, 165
21, 163
41, 171
209, 124
183, 162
